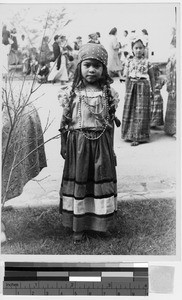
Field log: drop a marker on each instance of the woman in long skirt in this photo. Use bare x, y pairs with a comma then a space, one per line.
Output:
170, 117
157, 101
139, 81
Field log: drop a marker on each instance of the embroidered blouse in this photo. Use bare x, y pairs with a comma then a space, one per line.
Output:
137, 68
88, 110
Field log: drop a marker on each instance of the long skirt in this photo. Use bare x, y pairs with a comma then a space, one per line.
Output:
24, 157
136, 112
170, 117
53, 71
115, 63
88, 193
157, 110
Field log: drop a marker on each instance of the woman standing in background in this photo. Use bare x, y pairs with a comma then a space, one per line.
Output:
13, 57
170, 117
6, 46
157, 101
139, 85
114, 63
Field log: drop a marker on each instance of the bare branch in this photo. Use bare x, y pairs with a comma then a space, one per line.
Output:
39, 180
9, 178
15, 103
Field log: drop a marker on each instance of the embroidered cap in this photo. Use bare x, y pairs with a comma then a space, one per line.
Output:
93, 51
138, 38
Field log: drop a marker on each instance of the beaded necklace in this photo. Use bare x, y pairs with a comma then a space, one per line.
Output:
96, 115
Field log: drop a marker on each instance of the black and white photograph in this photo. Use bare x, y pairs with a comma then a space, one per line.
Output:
90, 130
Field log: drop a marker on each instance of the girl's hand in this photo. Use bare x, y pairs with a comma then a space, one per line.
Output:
63, 144
117, 122
63, 151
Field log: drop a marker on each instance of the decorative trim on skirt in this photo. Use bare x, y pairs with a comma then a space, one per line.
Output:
88, 193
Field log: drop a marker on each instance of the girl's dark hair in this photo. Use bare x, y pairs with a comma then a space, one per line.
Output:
134, 42
77, 80
145, 31
104, 82
113, 31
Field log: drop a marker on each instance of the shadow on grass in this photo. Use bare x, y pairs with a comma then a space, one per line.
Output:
141, 228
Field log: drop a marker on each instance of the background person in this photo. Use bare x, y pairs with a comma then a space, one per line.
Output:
93, 38
170, 117
157, 101
125, 47
13, 55
62, 74
139, 81
6, 46
57, 54
114, 63
44, 51
23, 47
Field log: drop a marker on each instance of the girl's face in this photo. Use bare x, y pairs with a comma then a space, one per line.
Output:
138, 49
91, 70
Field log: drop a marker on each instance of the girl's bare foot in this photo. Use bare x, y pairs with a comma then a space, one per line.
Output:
78, 237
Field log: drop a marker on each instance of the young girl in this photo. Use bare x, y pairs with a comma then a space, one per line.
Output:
139, 83
88, 194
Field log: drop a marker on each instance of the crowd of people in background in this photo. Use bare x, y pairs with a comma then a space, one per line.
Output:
57, 63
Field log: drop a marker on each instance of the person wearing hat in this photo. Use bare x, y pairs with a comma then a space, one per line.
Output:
61, 73
56, 51
56, 63
78, 43
157, 101
88, 193
93, 38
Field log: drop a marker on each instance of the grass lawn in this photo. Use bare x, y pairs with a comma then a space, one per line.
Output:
142, 228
